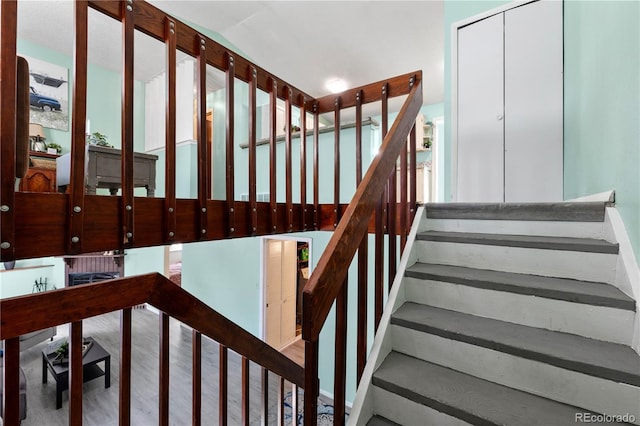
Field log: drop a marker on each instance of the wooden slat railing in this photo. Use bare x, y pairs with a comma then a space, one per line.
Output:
74, 304
328, 281
78, 223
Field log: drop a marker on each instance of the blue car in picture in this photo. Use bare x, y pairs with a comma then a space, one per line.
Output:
44, 102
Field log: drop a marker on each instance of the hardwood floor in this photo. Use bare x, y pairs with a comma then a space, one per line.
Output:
100, 405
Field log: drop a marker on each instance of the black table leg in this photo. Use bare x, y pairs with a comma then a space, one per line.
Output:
107, 372
44, 368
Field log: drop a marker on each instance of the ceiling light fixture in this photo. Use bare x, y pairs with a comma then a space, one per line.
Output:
336, 86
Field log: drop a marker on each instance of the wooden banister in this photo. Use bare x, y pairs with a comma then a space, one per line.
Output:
326, 281
76, 303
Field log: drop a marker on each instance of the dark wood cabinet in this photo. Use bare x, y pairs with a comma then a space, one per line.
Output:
41, 176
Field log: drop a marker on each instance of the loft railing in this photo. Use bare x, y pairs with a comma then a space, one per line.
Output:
328, 283
72, 305
76, 222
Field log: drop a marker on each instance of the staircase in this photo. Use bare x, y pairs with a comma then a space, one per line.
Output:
510, 315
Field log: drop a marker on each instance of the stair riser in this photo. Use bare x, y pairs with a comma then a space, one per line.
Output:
406, 412
597, 322
596, 267
570, 387
558, 229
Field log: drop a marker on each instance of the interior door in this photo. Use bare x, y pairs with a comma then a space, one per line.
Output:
280, 316
481, 111
533, 73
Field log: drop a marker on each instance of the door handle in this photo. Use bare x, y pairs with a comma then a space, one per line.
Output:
500, 117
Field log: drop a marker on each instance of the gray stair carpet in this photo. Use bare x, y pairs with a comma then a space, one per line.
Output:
466, 397
597, 358
526, 241
561, 212
590, 293
381, 421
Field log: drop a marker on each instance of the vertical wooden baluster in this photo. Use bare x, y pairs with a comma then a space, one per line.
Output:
8, 99
75, 373
170, 133
78, 138
163, 415
125, 367
245, 391
340, 373
230, 146
204, 168
280, 419
11, 394
253, 200
273, 100
223, 391
392, 188
403, 198
380, 224
196, 403
413, 165
361, 343
264, 408
336, 161
127, 124
303, 163
288, 161
294, 404
311, 383
316, 165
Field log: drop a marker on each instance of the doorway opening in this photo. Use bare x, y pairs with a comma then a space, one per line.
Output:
285, 269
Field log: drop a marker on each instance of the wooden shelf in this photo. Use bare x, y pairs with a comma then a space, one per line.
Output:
26, 268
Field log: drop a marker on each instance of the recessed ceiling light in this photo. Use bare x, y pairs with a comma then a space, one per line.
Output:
336, 86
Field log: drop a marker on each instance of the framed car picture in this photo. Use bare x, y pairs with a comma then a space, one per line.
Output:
48, 94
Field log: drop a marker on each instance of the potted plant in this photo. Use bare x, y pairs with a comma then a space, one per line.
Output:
54, 148
99, 139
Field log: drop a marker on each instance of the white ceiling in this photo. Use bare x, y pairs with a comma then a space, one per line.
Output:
304, 42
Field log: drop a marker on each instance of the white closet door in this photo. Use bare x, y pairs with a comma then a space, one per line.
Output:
480, 111
533, 102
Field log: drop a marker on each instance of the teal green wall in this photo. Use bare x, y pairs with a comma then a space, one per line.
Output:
455, 11
226, 275
20, 280
602, 105
104, 104
144, 261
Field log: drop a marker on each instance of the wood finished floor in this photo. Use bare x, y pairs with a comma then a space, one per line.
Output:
100, 405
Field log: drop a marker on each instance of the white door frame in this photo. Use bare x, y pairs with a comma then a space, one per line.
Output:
437, 155
454, 83
263, 274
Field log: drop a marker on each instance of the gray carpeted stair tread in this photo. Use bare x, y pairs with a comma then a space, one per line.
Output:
597, 358
381, 421
466, 397
585, 292
526, 241
562, 212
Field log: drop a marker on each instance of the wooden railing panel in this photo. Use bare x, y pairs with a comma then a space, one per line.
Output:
303, 164
288, 159
273, 100
340, 364
127, 204
163, 379
74, 240
223, 388
8, 99
75, 373
336, 162
170, 134
125, 368
11, 394
363, 259
253, 200
245, 391
316, 167
196, 356
324, 284
204, 167
230, 146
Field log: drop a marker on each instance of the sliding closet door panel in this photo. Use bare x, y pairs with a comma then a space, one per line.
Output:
533, 102
480, 111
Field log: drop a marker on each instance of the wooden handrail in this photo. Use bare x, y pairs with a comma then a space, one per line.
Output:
24, 314
328, 277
